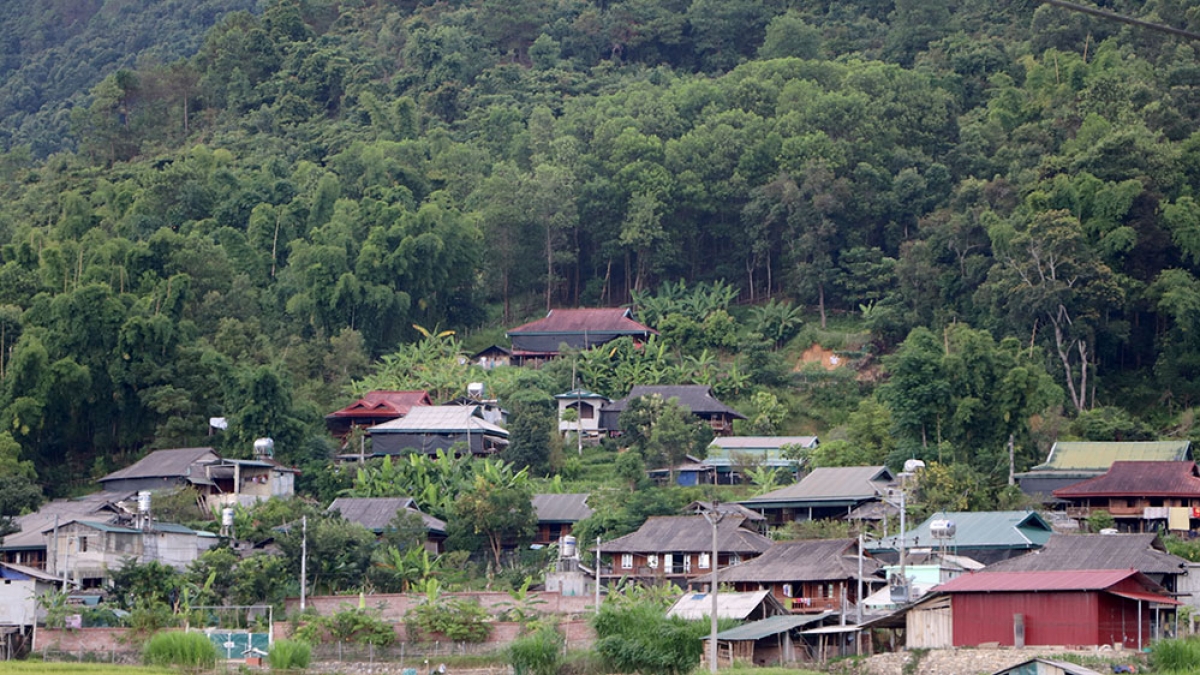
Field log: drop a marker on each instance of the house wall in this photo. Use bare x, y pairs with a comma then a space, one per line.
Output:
590, 425
1061, 618
683, 565
139, 484
807, 596
398, 444
18, 601
104, 551
930, 625
174, 549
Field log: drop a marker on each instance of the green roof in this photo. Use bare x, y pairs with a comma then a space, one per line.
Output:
106, 527
1020, 530
757, 630
1098, 456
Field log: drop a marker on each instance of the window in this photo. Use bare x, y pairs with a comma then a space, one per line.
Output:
687, 564
669, 563
735, 559
626, 561
83, 544
652, 561
787, 590
702, 562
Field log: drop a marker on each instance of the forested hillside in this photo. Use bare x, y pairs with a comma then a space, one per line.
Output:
244, 232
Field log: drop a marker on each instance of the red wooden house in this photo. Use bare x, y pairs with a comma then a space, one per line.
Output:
1141, 496
376, 407
1072, 608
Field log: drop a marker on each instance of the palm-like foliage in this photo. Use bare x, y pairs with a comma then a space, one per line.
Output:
777, 321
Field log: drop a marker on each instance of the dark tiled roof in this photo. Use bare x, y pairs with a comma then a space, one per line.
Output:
377, 404
697, 398
561, 508
163, 464
600, 320
687, 533
1140, 479
1142, 552
374, 513
810, 560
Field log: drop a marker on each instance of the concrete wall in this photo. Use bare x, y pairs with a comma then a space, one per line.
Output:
81, 640
578, 634
393, 606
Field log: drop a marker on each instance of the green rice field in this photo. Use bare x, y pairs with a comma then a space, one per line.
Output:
44, 668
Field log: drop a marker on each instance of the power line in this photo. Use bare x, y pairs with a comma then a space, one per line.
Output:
1105, 14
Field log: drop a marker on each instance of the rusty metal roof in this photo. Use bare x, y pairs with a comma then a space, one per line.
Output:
1098, 456
383, 403
599, 320
1056, 580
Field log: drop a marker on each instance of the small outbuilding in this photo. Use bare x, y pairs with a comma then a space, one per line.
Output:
1045, 667
1019, 609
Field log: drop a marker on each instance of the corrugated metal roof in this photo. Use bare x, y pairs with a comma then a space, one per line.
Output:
1066, 668
980, 530
375, 513
666, 534
1142, 552
1062, 580
810, 560
1099, 456
580, 394
698, 398
1138, 479
561, 508
848, 483
774, 625
40, 575
175, 463
440, 419
31, 525
597, 319
727, 443
696, 606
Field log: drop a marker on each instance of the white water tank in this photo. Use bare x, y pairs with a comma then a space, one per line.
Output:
264, 447
227, 517
942, 528
475, 390
912, 465
568, 546
143, 502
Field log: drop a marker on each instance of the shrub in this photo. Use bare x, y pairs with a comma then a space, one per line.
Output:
1177, 655
537, 653
180, 650
458, 619
289, 655
348, 625
638, 638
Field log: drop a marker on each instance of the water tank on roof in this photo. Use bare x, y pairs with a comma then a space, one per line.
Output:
264, 447
143, 502
942, 528
568, 547
475, 390
912, 465
1109, 530
227, 517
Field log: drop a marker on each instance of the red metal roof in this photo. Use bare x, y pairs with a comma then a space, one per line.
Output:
600, 320
379, 404
1057, 580
1139, 479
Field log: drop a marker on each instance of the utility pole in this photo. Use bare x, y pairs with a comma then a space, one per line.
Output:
303, 561
714, 518
597, 575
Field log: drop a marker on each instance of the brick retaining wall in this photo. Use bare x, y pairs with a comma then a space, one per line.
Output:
393, 606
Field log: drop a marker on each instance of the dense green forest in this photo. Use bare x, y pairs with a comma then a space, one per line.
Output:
991, 204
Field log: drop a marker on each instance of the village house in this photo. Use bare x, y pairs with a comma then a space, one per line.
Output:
376, 407
587, 407
557, 515
1072, 461
826, 492
1124, 608
428, 429
89, 551
697, 398
1140, 496
1142, 552
539, 341
809, 576
678, 549
222, 482
27, 546
985, 536
377, 513
732, 456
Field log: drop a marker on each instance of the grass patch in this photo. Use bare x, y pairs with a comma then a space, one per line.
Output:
45, 668
289, 655
180, 650
1180, 655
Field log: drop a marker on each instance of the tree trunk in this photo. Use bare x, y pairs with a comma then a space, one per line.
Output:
549, 266
821, 302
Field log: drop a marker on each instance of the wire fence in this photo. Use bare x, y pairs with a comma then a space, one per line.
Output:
401, 651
